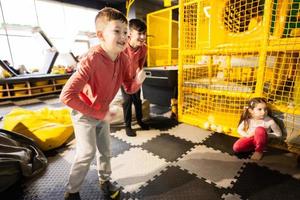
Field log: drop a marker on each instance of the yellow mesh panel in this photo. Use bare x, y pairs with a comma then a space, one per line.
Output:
162, 31
233, 50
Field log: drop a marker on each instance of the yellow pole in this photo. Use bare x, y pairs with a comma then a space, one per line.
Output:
170, 38
148, 40
128, 5
180, 61
264, 46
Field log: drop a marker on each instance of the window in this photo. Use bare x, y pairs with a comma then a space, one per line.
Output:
19, 12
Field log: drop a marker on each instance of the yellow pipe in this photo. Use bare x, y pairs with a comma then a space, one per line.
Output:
180, 63
148, 41
264, 44
170, 38
163, 10
217, 92
128, 6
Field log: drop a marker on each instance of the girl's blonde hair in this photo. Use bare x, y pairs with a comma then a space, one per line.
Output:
246, 115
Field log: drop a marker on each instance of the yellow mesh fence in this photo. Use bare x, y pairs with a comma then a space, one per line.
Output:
233, 50
162, 40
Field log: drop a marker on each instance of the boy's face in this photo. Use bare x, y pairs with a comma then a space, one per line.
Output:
113, 37
137, 38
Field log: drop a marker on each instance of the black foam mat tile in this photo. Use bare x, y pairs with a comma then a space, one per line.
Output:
175, 183
168, 147
256, 182
224, 143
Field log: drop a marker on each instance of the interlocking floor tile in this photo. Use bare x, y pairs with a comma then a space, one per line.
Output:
224, 143
280, 160
134, 167
170, 161
257, 182
118, 146
183, 186
189, 133
168, 147
141, 138
212, 165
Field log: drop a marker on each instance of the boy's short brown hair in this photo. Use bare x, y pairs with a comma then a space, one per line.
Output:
137, 25
108, 14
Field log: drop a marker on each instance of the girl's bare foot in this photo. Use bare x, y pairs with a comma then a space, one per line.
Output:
257, 155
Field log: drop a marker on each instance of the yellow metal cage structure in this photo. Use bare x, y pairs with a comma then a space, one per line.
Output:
162, 37
233, 50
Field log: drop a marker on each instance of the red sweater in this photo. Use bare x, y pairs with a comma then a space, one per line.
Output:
93, 86
137, 57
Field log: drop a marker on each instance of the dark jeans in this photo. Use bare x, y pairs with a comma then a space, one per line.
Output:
128, 100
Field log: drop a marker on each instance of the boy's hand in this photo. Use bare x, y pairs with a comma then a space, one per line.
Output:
109, 116
140, 75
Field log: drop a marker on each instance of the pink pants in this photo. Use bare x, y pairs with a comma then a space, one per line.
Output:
256, 142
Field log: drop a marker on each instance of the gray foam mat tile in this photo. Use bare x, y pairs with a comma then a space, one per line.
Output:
168, 147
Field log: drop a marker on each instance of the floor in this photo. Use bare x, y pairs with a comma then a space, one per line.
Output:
170, 161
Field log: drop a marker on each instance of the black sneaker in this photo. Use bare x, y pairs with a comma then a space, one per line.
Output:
130, 132
109, 190
143, 125
72, 196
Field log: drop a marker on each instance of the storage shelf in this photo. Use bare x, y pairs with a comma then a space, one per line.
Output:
31, 85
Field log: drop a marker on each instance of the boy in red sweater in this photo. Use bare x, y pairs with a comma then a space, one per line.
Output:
89, 92
136, 50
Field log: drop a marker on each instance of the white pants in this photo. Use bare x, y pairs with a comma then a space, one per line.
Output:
92, 136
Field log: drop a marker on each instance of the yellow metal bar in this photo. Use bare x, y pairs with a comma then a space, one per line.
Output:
180, 63
162, 47
148, 40
263, 52
163, 10
198, 26
158, 47
191, 2
219, 51
128, 6
162, 18
170, 37
217, 92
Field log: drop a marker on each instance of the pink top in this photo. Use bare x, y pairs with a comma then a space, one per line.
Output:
137, 56
95, 83
268, 123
